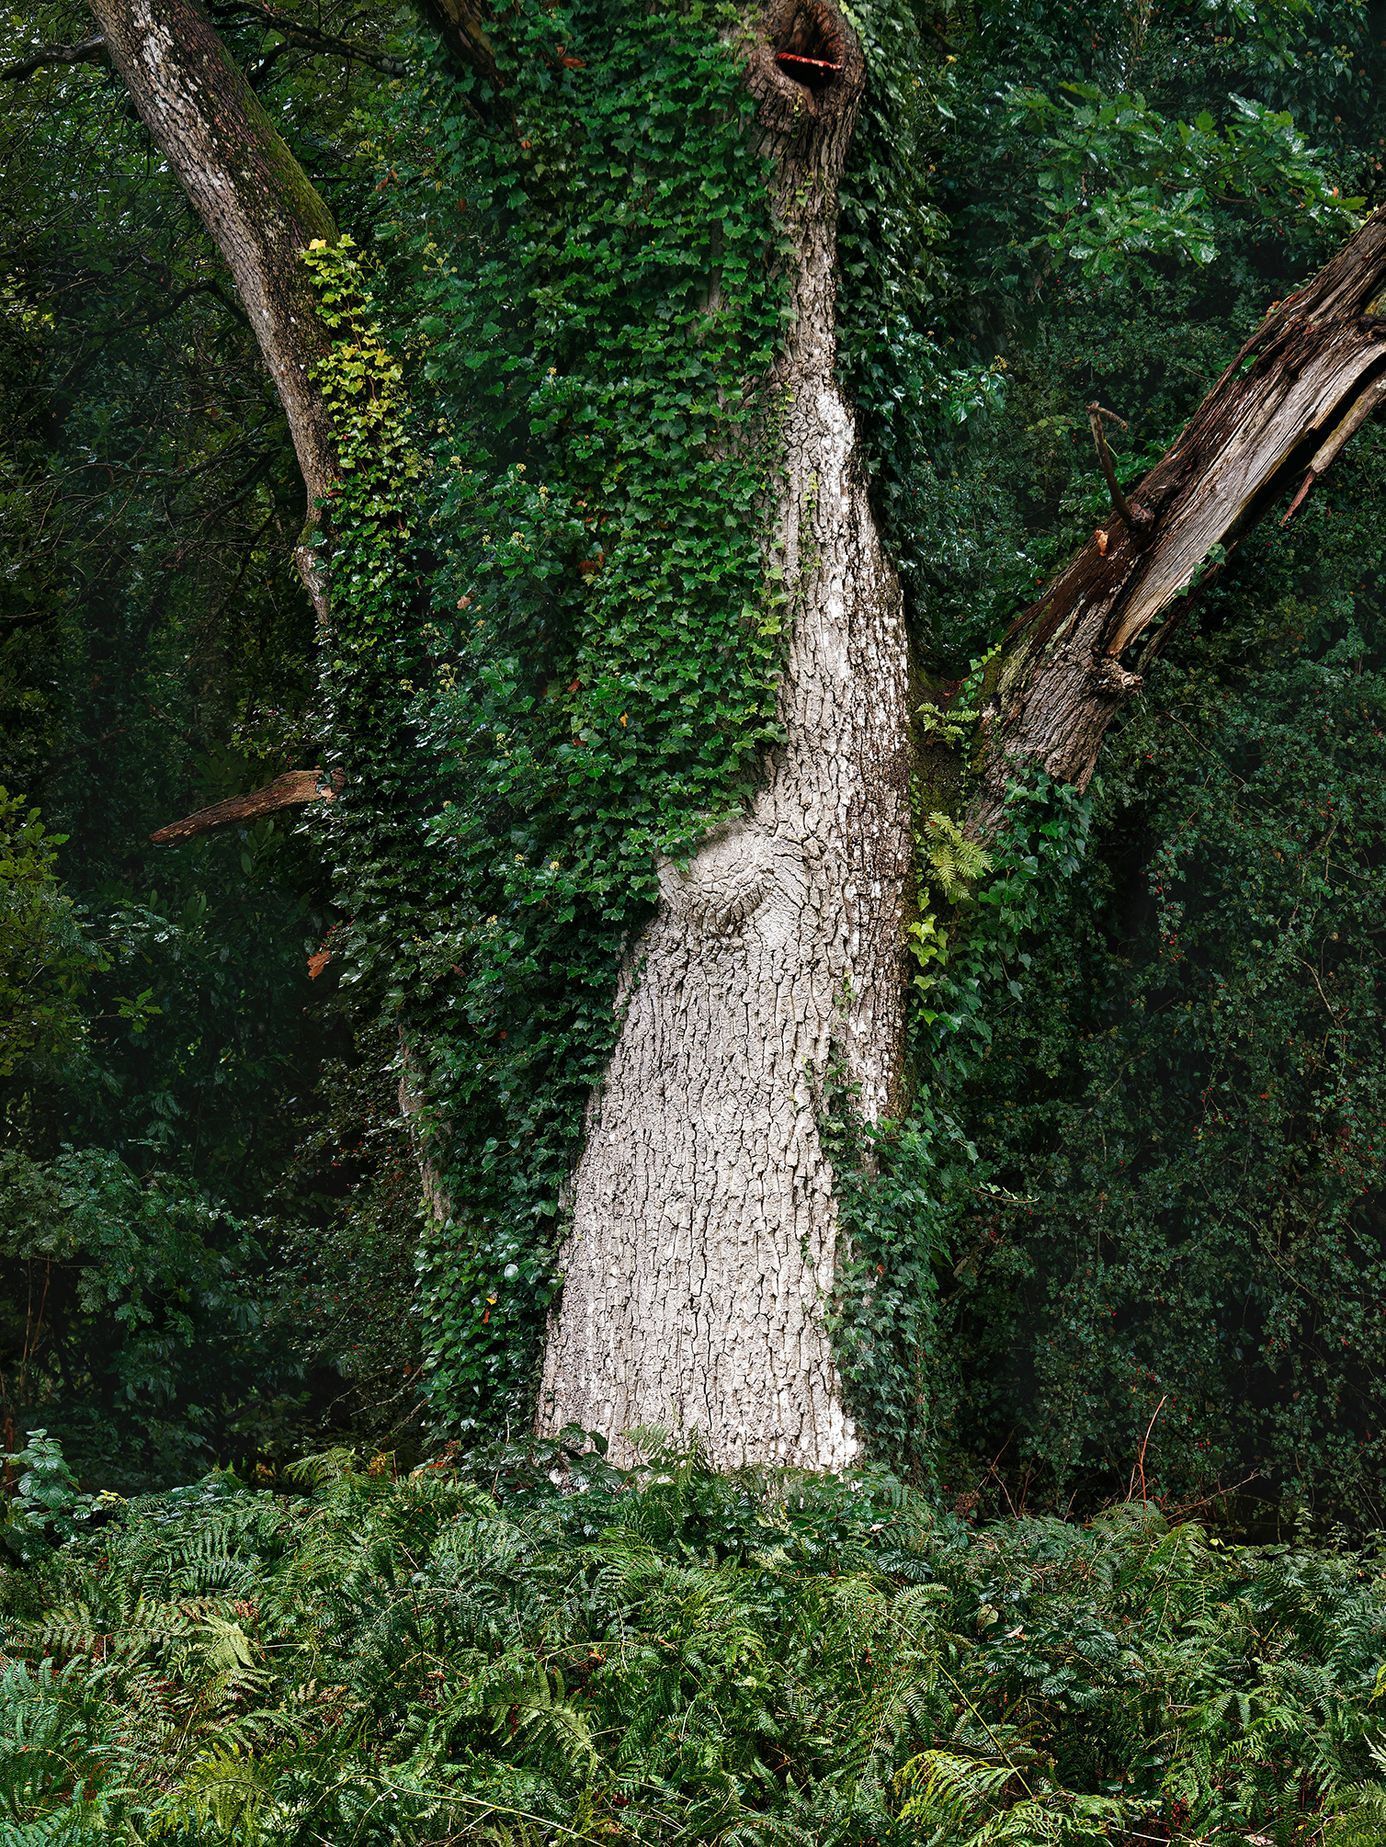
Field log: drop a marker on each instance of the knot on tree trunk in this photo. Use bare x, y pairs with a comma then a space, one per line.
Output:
724, 883
806, 69
1114, 680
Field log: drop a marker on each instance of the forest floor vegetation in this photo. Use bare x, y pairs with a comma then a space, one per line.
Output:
542, 1648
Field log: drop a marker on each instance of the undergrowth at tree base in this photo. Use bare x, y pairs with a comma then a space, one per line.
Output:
537, 1647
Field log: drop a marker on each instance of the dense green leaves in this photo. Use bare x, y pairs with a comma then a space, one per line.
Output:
41, 958
1141, 1170
1119, 184
546, 1649
583, 678
133, 1317
1186, 1109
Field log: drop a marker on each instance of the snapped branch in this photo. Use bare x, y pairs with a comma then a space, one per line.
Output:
293, 789
1306, 381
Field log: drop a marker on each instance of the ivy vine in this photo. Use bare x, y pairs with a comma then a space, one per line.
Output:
565, 602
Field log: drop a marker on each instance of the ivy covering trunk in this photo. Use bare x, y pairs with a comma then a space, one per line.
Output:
614, 690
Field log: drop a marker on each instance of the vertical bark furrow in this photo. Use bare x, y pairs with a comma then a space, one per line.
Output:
704, 1227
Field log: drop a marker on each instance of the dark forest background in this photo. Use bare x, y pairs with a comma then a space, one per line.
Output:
208, 1208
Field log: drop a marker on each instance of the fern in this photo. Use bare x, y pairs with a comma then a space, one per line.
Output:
954, 863
550, 1650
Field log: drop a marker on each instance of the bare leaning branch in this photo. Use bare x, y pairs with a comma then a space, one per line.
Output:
1303, 384
294, 789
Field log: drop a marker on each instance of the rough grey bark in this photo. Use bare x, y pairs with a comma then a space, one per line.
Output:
704, 1226
249, 191
1305, 382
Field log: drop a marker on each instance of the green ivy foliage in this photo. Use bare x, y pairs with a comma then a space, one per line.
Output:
42, 963
1186, 1114
1100, 204
907, 1187
133, 1320
585, 681
540, 1648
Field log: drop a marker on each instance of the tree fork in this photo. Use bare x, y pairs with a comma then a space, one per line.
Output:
1302, 385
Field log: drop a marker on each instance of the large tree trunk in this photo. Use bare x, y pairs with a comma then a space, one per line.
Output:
704, 1229
1309, 377
255, 200
704, 1232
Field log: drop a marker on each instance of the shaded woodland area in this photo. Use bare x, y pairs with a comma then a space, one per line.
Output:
692, 745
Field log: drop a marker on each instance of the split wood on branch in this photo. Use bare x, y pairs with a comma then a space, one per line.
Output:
1303, 384
293, 789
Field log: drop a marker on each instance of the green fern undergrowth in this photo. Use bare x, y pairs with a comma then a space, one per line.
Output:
540, 1648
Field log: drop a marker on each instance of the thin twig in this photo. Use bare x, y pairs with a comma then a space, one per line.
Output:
1140, 1454
1136, 518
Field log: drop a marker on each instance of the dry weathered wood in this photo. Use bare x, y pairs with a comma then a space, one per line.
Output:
1309, 377
291, 790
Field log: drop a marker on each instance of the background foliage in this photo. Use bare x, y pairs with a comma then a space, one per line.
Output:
1143, 1172
1128, 1243
163, 1300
